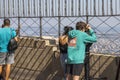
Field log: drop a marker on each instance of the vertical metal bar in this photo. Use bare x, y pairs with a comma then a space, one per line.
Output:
4, 7
18, 33
40, 8
43, 4
8, 8
0, 9
79, 8
55, 8
58, 7
83, 7
65, 6
52, 8
76, 7
94, 7
87, 19
71, 7
13, 6
49, 7
68, 8
116, 6
34, 7
107, 7
28, 7
98, 7
59, 27
111, 7
37, 7
18, 9
103, 7
87, 7
91, 4
23, 9
62, 7
31, 8
46, 8
119, 7
87, 67
41, 27
18, 21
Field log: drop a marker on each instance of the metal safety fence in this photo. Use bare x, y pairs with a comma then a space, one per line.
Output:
39, 18
47, 18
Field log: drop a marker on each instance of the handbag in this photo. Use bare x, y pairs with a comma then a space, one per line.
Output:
12, 45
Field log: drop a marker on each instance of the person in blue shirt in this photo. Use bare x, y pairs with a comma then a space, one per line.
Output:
6, 59
76, 49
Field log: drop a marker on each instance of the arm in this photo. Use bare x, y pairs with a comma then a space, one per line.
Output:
14, 35
91, 38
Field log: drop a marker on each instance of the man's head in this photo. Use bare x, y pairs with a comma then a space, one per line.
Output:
6, 22
81, 26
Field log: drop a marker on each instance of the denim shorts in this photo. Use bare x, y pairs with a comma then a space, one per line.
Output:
6, 58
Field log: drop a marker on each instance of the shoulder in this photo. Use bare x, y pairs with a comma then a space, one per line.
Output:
0, 30
63, 39
12, 29
73, 33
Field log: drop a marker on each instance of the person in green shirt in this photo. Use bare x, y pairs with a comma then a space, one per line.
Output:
76, 49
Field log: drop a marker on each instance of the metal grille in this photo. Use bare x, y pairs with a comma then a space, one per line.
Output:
47, 8
39, 18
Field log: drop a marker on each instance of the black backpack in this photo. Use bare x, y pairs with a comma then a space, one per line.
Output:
63, 48
12, 45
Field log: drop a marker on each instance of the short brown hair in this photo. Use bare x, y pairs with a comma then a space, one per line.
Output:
6, 22
81, 25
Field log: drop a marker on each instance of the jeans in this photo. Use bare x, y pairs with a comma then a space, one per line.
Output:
63, 60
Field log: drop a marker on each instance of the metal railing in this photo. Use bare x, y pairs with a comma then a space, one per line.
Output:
38, 18
52, 8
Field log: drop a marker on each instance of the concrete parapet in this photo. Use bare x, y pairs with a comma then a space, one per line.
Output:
36, 60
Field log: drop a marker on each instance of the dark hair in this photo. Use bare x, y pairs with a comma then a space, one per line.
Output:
81, 25
6, 22
2, 25
67, 29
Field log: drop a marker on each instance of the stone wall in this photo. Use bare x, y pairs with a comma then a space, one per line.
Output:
36, 59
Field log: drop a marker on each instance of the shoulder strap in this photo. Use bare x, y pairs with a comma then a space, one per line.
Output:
11, 32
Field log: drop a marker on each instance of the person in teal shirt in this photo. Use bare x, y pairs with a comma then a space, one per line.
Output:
76, 49
6, 33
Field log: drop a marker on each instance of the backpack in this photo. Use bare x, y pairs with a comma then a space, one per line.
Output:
12, 45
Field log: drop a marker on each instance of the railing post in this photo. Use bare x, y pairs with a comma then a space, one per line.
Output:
41, 27
18, 30
87, 66
59, 27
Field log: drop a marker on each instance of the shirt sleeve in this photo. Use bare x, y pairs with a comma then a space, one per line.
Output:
91, 37
13, 33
